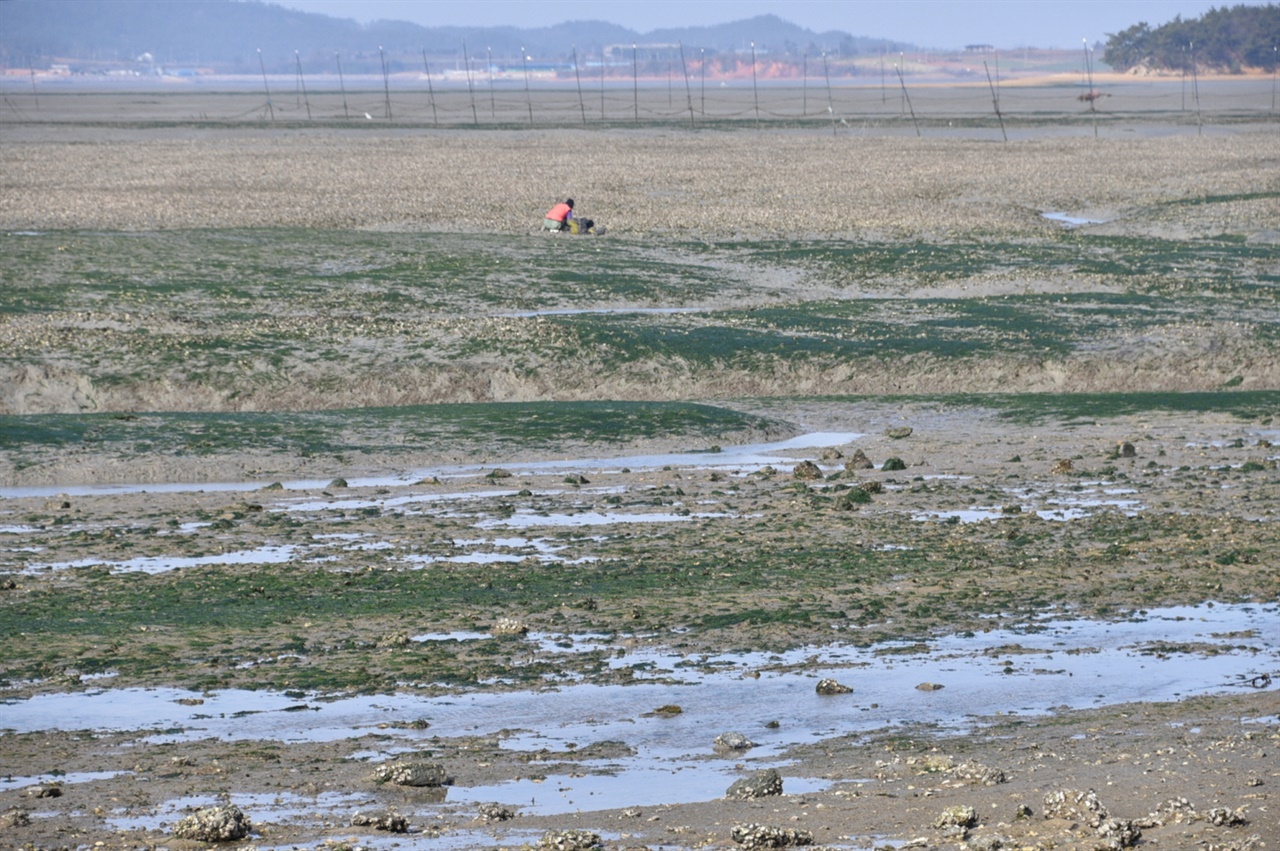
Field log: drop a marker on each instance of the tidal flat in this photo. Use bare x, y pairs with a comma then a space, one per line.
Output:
929, 474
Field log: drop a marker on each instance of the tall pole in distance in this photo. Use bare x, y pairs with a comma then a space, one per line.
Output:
528, 98
342, 84
602, 83
703, 83
471, 90
271, 109
688, 95
831, 104
488, 56
1195, 89
303, 83
804, 84
754, 92
386, 86
431, 94
635, 83
995, 101
1273, 78
907, 99
578, 76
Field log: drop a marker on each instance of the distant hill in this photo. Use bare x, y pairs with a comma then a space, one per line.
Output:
226, 35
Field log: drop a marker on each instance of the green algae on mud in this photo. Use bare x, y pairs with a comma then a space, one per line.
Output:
292, 319
345, 435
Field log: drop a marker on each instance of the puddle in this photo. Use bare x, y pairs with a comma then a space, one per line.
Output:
69, 779
634, 785
264, 808
608, 311
161, 564
1070, 220
749, 456
1059, 663
1035, 668
524, 519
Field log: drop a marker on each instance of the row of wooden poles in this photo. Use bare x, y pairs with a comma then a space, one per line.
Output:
1090, 95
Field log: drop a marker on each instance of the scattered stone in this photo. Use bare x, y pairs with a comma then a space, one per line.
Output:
498, 473
274, 486
930, 687
507, 627
898, 433
1172, 811
1119, 833
1062, 465
1223, 817
576, 479
669, 710
760, 784
851, 499
958, 816
15, 818
388, 820
569, 840
1022, 811
991, 843
494, 811
893, 464
214, 824
1125, 449
765, 836
859, 461
394, 639
871, 487
1072, 804
338, 483
978, 774
830, 454
44, 790
807, 470
829, 686
734, 742
411, 774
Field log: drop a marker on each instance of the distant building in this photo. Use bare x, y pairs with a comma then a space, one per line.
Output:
619, 53
979, 48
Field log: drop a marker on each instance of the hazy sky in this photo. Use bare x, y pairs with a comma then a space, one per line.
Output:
928, 23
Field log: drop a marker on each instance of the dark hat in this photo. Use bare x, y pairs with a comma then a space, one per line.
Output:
569, 202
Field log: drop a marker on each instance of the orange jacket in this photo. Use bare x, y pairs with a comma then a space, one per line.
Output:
561, 212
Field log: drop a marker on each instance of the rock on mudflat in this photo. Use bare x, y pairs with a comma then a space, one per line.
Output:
733, 742
830, 686
214, 824
859, 461
760, 784
1119, 833
1073, 804
766, 836
957, 816
411, 774
493, 811
807, 470
569, 840
388, 820
898, 433
508, 626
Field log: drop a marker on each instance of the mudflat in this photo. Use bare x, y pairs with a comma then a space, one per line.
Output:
319, 459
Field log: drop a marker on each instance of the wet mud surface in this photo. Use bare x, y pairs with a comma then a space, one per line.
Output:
682, 524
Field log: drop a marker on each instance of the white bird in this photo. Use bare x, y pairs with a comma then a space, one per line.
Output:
368, 116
